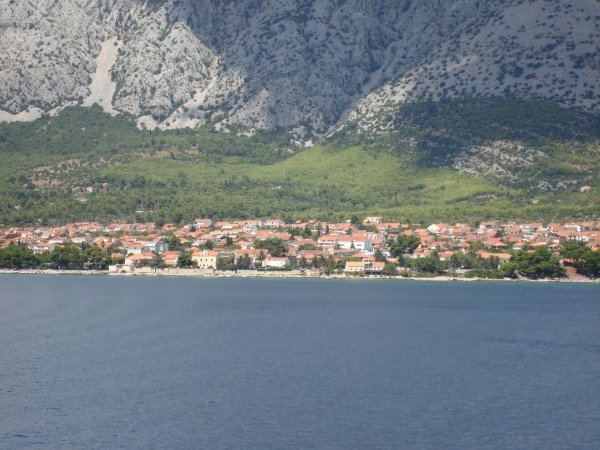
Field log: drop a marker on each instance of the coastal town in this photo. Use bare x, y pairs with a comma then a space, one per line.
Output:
366, 247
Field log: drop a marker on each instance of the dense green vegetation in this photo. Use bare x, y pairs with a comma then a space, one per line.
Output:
185, 261
541, 263
48, 166
585, 261
562, 143
490, 274
63, 257
274, 246
538, 264
403, 244
89, 131
497, 118
18, 257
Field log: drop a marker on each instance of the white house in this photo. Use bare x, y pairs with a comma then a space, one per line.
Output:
156, 246
42, 248
81, 240
277, 262
273, 223
360, 242
372, 220
203, 223
329, 239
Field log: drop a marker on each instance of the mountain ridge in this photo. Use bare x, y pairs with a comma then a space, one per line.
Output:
305, 64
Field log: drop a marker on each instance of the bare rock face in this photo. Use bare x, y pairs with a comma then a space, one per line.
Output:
545, 50
47, 52
290, 63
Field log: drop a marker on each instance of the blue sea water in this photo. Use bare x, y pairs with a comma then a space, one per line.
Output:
101, 362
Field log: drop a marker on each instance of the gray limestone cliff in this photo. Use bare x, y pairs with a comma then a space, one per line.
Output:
291, 63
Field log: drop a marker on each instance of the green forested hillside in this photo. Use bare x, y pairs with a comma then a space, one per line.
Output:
408, 172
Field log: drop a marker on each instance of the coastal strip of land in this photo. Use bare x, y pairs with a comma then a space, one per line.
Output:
201, 273
370, 247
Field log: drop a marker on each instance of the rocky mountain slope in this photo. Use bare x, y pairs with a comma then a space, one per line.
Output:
305, 64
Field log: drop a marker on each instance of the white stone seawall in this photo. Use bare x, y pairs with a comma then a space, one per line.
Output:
52, 272
147, 271
207, 273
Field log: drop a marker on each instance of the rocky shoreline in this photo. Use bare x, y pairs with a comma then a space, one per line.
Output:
278, 275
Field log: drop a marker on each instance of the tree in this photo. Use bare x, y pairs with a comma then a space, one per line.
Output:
329, 265
477, 245
157, 262
226, 264
465, 261
585, 261
575, 251
182, 179
174, 243
322, 261
430, 264
539, 264
403, 244
261, 257
379, 256
510, 269
306, 232
308, 247
275, 246
390, 270
185, 261
67, 257
95, 258
491, 274
18, 256
355, 220
490, 263
117, 258
244, 262
589, 264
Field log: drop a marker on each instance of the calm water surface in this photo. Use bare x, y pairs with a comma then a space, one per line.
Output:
104, 362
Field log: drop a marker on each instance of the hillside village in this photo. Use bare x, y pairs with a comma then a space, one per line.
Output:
368, 247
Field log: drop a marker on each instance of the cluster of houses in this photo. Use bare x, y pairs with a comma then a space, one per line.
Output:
357, 245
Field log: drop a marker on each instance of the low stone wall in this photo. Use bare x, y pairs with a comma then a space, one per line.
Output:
52, 272
169, 271
148, 271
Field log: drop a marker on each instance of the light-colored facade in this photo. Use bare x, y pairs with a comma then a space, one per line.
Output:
206, 259
354, 267
278, 263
